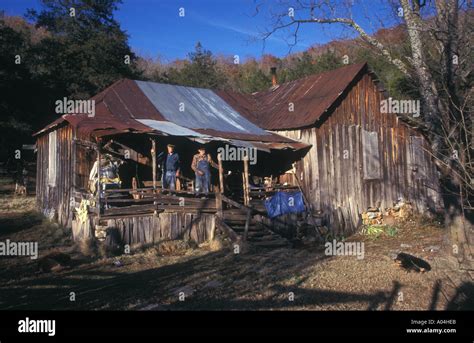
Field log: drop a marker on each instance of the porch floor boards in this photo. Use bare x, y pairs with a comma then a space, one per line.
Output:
258, 233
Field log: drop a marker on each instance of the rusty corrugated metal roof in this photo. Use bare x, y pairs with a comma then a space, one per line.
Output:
129, 106
124, 107
310, 97
115, 110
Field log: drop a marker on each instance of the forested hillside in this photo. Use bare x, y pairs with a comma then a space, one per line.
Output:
48, 55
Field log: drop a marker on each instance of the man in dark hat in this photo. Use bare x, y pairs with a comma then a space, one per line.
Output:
170, 168
201, 165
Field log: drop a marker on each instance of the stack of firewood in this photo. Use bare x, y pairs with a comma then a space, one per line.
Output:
100, 232
373, 216
401, 211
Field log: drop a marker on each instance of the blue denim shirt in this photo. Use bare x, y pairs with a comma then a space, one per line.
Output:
172, 162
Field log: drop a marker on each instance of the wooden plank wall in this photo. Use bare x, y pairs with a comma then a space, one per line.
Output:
333, 169
84, 161
73, 165
55, 199
151, 229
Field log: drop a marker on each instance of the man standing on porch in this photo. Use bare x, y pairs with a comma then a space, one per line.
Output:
201, 165
171, 168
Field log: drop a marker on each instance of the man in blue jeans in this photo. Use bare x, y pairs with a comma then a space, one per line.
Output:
171, 168
201, 165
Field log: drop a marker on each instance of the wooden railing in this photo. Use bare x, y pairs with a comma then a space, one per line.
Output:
153, 202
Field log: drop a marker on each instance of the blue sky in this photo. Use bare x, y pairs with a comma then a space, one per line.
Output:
228, 27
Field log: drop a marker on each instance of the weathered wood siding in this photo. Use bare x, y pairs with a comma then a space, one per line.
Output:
72, 164
145, 229
332, 172
53, 198
83, 162
165, 226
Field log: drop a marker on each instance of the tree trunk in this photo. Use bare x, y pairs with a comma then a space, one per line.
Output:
427, 86
436, 115
460, 225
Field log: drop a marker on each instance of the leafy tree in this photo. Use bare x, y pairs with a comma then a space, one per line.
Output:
252, 78
74, 54
22, 94
201, 70
306, 64
87, 50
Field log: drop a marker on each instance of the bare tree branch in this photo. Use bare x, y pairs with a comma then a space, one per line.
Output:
366, 37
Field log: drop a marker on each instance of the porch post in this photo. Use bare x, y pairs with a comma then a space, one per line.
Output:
98, 178
219, 194
246, 181
221, 174
153, 158
247, 224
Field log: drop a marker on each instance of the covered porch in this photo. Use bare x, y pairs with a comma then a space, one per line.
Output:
138, 210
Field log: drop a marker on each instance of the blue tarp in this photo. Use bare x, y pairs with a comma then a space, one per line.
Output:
283, 203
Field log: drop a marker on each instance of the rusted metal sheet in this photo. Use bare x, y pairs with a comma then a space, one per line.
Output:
296, 104
272, 137
245, 104
124, 107
225, 114
286, 145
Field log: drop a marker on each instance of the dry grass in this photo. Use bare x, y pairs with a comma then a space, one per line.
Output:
213, 277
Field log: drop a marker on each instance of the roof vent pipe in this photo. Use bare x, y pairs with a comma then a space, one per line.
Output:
274, 76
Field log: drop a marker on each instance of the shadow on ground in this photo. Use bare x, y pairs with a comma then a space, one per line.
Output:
237, 282
18, 222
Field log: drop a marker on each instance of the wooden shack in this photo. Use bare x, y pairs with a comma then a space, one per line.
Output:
361, 157
133, 122
326, 135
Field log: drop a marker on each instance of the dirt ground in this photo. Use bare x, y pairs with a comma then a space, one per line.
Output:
203, 278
